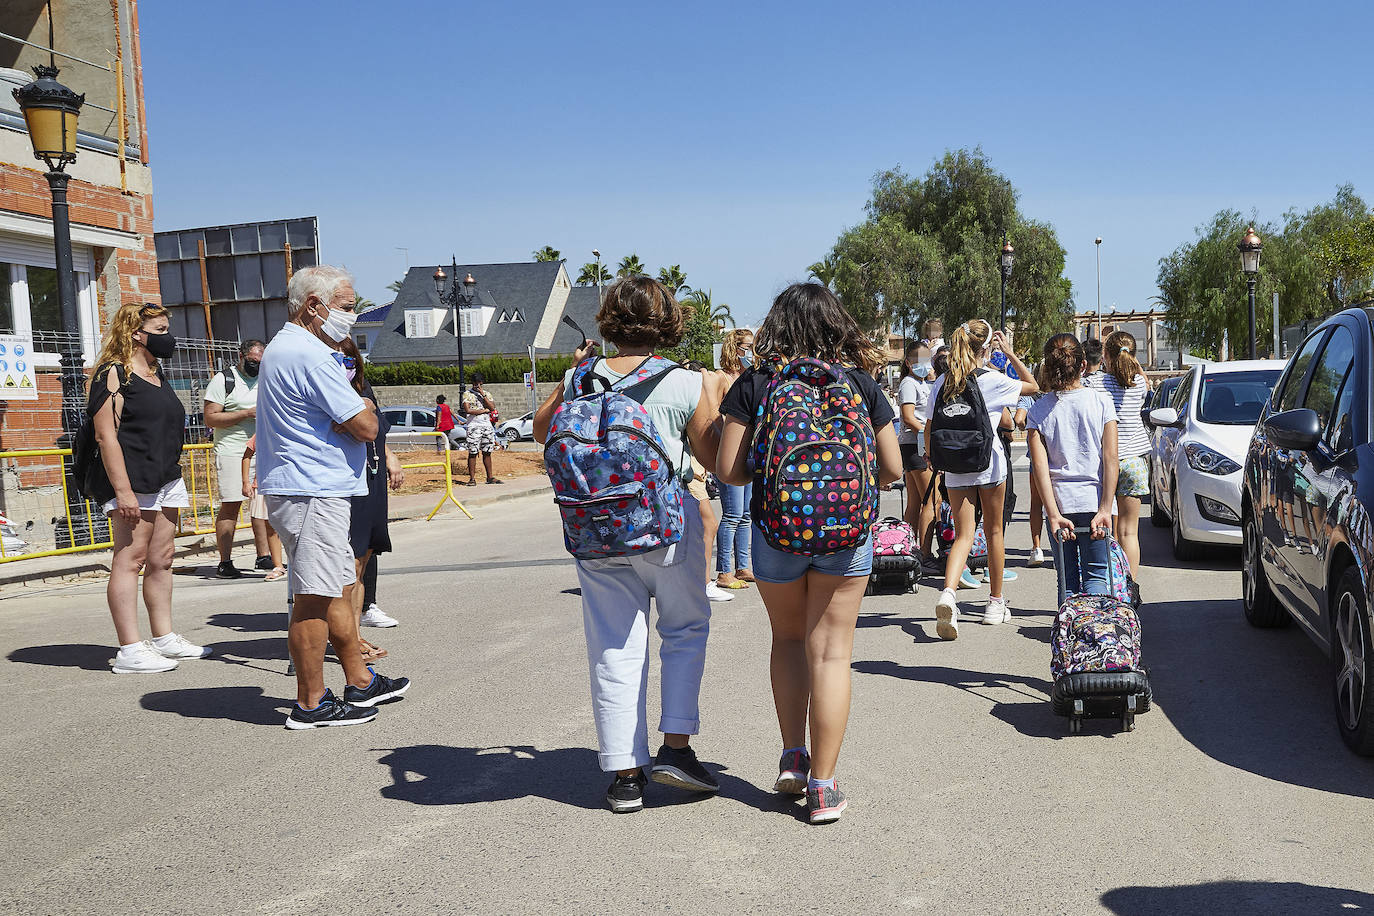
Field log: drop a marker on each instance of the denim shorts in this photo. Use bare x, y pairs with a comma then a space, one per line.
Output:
779, 567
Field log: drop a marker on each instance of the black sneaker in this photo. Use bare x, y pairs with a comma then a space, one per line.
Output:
227, 570
265, 563
381, 690
330, 712
673, 767
825, 805
626, 793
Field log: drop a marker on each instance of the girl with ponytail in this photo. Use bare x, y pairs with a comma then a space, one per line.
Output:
1124, 381
970, 346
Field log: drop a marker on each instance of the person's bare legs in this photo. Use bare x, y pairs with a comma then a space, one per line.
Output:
788, 669
316, 620
832, 610
131, 541
708, 519
259, 526
226, 520
157, 572
472, 466
1128, 530
925, 511
965, 521
994, 499
1037, 516
273, 544
486, 464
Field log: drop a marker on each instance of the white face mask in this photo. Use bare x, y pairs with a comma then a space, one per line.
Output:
338, 324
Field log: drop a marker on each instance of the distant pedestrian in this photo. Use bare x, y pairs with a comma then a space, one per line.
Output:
139, 426
812, 594
257, 510
1072, 442
933, 332
443, 422
913, 393
478, 408
312, 434
736, 526
1092, 356
230, 404
1125, 383
639, 315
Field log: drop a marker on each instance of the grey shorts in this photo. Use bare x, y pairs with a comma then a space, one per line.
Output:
481, 438
314, 531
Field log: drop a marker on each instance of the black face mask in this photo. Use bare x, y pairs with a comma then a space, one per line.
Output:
250, 367
162, 346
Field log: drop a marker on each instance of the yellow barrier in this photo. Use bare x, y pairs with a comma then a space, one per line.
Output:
85, 503
193, 491
448, 475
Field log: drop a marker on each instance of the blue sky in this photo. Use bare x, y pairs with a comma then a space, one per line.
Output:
739, 139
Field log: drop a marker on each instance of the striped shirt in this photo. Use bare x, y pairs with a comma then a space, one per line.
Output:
1131, 439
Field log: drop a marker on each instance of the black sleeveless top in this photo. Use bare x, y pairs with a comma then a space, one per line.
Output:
152, 426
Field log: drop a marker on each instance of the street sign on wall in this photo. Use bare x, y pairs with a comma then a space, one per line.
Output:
18, 381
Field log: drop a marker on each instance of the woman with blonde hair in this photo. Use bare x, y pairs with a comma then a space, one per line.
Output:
139, 426
1125, 383
734, 534
970, 346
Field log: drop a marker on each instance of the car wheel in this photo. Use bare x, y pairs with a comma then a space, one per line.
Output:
1350, 657
510, 436
1262, 608
1184, 549
1158, 517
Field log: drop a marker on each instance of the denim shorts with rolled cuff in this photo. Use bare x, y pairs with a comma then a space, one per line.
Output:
778, 567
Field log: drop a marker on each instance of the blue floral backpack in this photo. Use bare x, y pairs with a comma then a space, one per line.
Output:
613, 481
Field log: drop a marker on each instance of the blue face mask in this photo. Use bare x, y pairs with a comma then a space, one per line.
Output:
746, 359
921, 369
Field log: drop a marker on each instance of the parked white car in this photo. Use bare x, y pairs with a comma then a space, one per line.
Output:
1200, 443
514, 430
10, 540
409, 420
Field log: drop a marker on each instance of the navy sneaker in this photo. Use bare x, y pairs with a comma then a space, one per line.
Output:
825, 805
626, 793
381, 690
264, 563
331, 711
793, 769
680, 767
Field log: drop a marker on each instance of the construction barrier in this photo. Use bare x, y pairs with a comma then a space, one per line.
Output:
448, 475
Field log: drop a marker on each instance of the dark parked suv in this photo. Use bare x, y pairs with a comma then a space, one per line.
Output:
1306, 501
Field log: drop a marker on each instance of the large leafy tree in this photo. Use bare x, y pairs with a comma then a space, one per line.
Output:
929, 249
674, 278
717, 313
700, 333
547, 253
630, 266
588, 276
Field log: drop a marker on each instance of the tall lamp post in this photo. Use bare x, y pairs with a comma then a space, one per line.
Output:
1007, 257
50, 112
598, 277
1097, 242
455, 298
1250, 248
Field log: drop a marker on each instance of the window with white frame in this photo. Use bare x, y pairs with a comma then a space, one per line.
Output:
28, 295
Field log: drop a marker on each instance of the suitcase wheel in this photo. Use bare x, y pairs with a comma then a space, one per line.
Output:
1075, 725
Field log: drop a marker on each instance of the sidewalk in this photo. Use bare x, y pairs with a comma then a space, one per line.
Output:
47, 571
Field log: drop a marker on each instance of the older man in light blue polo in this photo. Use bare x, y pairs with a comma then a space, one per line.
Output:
311, 453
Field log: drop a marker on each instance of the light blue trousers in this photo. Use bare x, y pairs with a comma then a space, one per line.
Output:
734, 534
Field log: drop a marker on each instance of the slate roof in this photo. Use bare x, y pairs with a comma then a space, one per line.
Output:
375, 314
525, 287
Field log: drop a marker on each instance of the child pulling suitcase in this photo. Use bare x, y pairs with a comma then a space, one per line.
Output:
896, 555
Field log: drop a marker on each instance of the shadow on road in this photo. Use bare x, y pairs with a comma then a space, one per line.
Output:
238, 704
267, 622
1251, 898
436, 774
1030, 715
83, 656
910, 625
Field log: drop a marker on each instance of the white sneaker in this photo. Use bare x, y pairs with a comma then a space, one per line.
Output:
996, 612
947, 615
141, 659
1037, 558
176, 646
376, 617
716, 593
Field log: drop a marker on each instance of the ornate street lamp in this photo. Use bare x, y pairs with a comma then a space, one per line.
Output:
455, 298
50, 112
1007, 257
1250, 247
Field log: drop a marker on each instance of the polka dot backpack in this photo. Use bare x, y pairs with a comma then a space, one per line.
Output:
815, 463
613, 481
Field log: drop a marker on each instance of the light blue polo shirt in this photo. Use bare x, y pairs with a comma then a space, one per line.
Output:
302, 391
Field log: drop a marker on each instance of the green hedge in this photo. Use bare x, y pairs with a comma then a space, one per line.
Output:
494, 370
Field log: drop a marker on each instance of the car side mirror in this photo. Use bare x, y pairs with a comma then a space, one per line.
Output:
1165, 416
1298, 429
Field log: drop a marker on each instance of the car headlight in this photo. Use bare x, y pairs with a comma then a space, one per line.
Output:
1209, 461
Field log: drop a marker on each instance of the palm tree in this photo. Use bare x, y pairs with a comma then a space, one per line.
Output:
824, 270
362, 304
630, 266
548, 253
718, 313
674, 278
395, 285
587, 276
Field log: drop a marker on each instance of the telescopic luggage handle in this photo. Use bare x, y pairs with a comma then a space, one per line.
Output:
1078, 531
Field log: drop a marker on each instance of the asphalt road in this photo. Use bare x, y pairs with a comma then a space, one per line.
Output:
182, 793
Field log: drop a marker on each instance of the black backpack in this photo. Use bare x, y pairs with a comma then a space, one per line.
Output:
961, 436
88, 469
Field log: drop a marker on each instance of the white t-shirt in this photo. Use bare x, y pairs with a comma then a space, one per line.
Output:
999, 393
915, 392
1071, 424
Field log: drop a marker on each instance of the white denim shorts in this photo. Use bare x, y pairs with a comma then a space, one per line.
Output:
314, 531
171, 496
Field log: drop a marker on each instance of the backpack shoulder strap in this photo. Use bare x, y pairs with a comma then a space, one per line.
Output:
231, 380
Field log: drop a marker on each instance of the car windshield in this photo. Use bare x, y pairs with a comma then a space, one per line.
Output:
1235, 398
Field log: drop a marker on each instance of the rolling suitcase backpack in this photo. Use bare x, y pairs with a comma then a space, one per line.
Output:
896, 555
1096, 656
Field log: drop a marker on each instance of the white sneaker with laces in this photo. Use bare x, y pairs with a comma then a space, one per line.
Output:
1037, 558
177, 646
141, 659
716, 593
376, 617
996, 612
947, 615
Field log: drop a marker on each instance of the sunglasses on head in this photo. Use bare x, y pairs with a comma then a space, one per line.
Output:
346, 361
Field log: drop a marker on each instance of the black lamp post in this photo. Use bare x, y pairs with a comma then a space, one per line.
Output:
1008, 256
50, 112
1250, 248
456, 299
